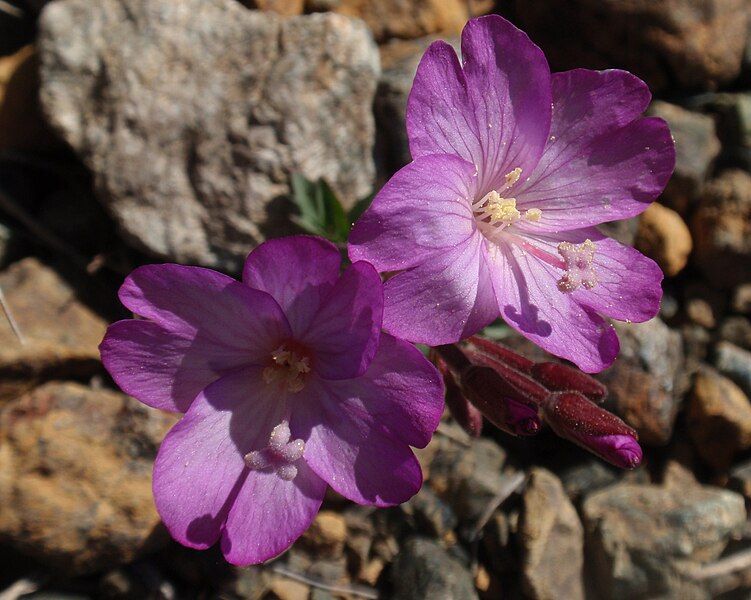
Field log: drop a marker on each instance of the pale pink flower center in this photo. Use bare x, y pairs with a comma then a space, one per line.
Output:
496, 211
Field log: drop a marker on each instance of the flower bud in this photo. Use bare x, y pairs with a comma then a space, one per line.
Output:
464, 413
501, 353
558, 377
499, 402
575, 418
520, 385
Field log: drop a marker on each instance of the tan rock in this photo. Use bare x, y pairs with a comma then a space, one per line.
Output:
665, 238
719, 418
552, 539
287, 589
327, 533
408, 19
75, 476
61, 334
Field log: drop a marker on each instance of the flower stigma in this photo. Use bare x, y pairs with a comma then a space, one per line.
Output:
579, 269
288, 367
279, 455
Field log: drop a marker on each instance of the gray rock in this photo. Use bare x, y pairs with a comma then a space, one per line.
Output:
696, 147
645, 383
431, 515
193, 114
552, 540
736, 330
423, 569
468, 478
642, 538
734, 126
585, 477
735, 363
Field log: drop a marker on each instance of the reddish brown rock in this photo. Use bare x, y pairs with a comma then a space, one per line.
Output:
645, 383
721, 230
75, 476
691, 43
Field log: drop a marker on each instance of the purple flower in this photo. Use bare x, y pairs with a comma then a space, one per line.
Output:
287, 385
513, 169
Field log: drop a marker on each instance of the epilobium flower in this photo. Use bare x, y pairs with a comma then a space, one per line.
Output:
513, 168
287, 385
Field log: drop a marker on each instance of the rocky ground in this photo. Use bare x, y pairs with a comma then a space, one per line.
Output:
147, 130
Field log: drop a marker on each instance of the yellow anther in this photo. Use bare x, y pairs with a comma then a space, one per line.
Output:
533, 214
502, 209
513, 177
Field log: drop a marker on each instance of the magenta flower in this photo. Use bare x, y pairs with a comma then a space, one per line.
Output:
287, 385
513, 168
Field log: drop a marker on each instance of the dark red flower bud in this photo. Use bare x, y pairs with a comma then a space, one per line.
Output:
577, 419
501, 353
464, 413
520, 386
500, 403
558, 377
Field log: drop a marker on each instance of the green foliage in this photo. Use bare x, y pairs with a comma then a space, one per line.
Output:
497, 330
321, 212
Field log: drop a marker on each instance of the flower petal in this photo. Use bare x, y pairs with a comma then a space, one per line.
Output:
531, 303
444, 299
423, 209
495, 113
602, 162
190, 300
298, 271
351, 451
344, 332
628, 283
401, 390
161, 368
269, 514
199, 470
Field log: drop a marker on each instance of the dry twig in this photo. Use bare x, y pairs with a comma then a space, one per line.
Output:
355, 590
513, 484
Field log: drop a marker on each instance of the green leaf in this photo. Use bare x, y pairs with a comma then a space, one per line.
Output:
360, 207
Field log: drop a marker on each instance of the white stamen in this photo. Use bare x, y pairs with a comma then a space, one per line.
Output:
279, 455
